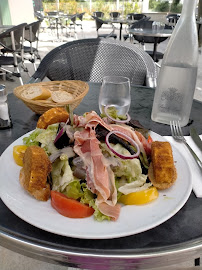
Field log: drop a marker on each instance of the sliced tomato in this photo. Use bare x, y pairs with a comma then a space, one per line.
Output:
150, 140
69, 207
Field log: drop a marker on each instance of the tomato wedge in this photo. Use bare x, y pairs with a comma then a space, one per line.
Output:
69, 207
149, 139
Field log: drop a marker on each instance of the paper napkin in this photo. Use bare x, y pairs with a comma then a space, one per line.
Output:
196, 172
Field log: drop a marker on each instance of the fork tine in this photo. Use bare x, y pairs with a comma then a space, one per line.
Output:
171, 128
179, 129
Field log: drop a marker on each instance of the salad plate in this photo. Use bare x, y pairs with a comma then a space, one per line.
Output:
133, 219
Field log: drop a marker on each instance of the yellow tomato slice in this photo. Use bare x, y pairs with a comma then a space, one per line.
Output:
140, 197
18, 154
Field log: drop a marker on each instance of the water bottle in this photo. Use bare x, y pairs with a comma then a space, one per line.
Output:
177, 77
5, 120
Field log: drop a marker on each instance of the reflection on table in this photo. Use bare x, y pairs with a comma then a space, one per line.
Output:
161, 33
175, 241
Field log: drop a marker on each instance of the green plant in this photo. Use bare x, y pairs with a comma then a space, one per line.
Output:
162, 6
152, 4
131, 7
176, 8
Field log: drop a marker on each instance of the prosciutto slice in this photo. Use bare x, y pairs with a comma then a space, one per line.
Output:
100, 178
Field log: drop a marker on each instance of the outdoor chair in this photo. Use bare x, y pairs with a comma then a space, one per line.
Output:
39, 15
92, 59
135, 16
99, 22
172, 19
98, 14
134, 25
114, 14
32, 36
146, 39
72, 24
80, 17
12, 53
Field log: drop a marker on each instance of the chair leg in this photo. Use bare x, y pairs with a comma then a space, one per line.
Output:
15, 73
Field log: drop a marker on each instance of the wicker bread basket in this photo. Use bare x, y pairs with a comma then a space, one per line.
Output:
77, 88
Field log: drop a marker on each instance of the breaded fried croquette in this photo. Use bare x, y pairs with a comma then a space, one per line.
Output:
162, 171
52, 116
33, 175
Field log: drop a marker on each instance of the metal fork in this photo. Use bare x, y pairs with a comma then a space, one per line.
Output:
177, 134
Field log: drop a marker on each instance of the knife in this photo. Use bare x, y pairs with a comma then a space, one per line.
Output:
196, 138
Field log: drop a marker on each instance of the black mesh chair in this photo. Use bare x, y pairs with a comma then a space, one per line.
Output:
114, 14
39, 15
12, 53
146, 39
32, 36
172, 19
80, 17
99, 22
92, 59
98, 14
72, 25
135, 25
135, 16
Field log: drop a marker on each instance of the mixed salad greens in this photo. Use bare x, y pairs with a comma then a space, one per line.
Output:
69, 171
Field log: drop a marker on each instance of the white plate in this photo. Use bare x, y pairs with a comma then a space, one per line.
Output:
132, 220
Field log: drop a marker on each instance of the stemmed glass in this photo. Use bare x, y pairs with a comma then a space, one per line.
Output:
115, 92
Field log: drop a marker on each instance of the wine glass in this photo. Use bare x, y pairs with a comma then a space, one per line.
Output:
115, 92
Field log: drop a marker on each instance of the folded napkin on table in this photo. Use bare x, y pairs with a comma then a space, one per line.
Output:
196, 172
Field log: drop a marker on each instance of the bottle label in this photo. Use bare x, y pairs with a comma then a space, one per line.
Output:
171, 101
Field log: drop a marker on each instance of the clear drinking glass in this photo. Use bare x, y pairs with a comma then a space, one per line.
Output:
115, 92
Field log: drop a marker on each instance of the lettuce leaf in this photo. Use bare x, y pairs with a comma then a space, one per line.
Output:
31, 139
88, 198
74, 190
44, 138
61, 174
128, 170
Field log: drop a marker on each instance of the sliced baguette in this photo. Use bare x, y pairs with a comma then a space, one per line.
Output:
61, 96
36, 93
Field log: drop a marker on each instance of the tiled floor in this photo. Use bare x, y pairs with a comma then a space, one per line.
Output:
10, 260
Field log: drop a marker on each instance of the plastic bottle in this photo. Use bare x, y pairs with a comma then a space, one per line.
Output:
5, 120
177, 77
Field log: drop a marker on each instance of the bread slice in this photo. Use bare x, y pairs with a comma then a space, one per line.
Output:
33, 175
61, 96
36, 92
162, 172
52, 116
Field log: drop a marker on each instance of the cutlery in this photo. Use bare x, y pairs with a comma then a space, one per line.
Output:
196, 138
177, 135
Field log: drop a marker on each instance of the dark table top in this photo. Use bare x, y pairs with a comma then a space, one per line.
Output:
151, 32
175, 240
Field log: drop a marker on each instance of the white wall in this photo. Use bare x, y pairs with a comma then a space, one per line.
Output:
21, 11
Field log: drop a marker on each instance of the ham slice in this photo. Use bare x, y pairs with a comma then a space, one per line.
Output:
145, 147
100, 178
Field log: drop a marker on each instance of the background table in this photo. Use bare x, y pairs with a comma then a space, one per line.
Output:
152, 33
177, 240
121, 21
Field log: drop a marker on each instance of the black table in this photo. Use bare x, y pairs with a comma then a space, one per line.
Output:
121, 21
175, 241
161, 33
